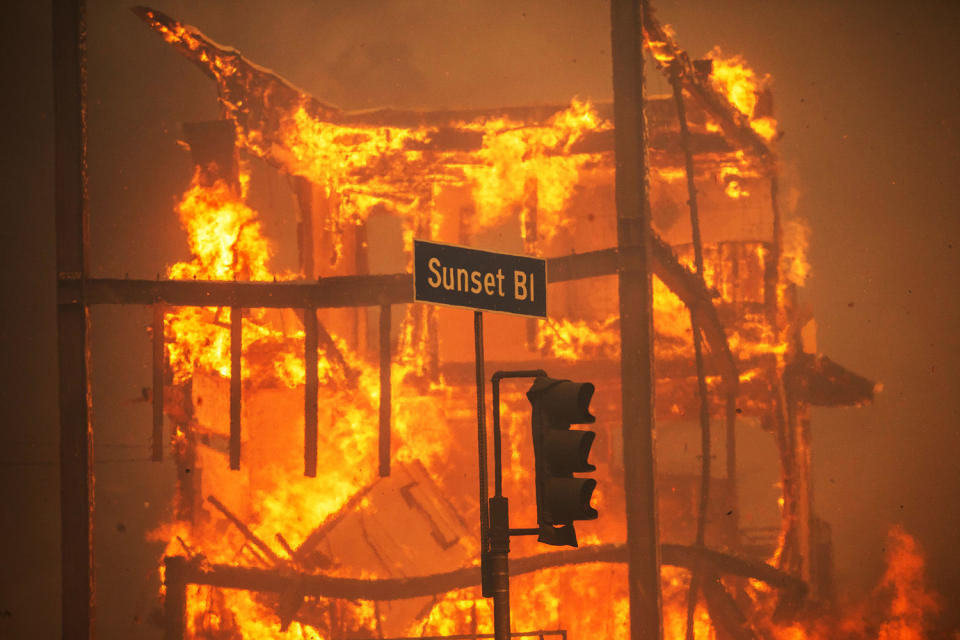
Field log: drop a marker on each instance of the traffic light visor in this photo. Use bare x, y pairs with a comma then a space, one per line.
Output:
564, 400
568, 499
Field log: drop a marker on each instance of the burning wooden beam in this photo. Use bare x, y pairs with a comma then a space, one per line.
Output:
341, 291
236, 384
374, 290
725, 614
310, 391
159, 371
385, 390
251, 537
735, 125
260, 100
323, 586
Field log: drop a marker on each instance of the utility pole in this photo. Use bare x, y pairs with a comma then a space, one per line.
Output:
636, 320
70, 200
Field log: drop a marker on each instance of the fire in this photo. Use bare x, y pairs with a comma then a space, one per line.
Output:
223, 234
908, 605
226, 240
515, 155
227, 243
574, 339
741, 85
912, 604
796, 240
509, 170
663, 51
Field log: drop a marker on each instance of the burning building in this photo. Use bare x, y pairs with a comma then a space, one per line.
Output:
321, 488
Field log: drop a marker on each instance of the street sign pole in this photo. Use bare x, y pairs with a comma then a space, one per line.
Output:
488, 587
483, 280
494, 515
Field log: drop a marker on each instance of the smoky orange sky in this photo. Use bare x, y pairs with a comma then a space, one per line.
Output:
865, 93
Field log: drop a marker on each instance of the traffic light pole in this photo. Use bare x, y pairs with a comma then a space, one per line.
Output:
495, 528
495, 380
482, 453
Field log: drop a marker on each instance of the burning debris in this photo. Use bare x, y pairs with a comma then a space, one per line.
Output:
346, 551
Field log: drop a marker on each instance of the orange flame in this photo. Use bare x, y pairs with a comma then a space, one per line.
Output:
741, 85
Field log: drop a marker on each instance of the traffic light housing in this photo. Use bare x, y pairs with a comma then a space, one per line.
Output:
561, 452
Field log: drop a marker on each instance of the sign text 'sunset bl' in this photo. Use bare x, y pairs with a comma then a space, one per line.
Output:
461, 277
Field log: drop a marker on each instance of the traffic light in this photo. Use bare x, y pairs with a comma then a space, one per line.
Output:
561, 452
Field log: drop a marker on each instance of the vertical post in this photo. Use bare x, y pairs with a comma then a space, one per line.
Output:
636, 320
697, 572
731, 447
529, 216
486, 586
310, 390
385, 390
159, 368
500, 566
175, 602
72, 223
302, 187
494, 515
236, 381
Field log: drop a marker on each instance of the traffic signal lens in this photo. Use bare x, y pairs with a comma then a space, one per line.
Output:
567, 451
568, 499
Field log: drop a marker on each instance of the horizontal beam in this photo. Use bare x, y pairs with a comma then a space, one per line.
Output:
397, 288
274, 581
342, 291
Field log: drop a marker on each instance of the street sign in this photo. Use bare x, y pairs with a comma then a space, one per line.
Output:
460, 277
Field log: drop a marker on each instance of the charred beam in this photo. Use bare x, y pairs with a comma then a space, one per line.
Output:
276, 581
385, 390
245, 530
332, 351
257, 98
159, 370
725, 614
818, 380
684, 283
729, 564
308, 548
341, 291
735, 125
375, 290
310, 391
236, 384
176, 577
